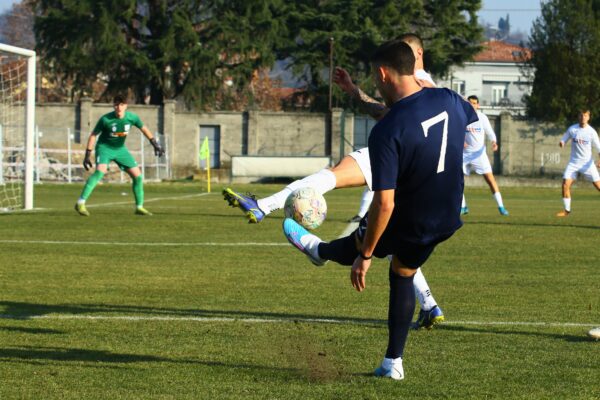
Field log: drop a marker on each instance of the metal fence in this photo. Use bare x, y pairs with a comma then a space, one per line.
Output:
58, 158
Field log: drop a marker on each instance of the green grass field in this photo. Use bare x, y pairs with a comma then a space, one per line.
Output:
193, 303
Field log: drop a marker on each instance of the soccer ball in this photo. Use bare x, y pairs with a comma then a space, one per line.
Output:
307, 207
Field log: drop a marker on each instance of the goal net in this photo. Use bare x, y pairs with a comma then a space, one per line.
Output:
17, 108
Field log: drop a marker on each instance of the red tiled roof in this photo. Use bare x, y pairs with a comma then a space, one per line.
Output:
498, 51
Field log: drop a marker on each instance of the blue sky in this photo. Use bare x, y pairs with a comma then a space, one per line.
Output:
5, 5
522, 12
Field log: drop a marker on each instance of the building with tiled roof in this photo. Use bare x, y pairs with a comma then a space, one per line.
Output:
498, 51
494, 75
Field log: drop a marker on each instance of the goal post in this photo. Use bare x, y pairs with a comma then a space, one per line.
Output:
17, 120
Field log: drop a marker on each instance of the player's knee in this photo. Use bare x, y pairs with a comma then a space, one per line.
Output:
402, 270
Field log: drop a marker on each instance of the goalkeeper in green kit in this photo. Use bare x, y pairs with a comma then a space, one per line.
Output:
109, 137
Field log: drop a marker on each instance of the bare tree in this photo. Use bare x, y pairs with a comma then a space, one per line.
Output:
16, 25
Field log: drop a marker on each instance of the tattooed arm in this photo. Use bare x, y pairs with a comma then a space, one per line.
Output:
369, 105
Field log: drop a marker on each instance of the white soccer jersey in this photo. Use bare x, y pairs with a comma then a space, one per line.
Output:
582, 140
421, 74
476, 132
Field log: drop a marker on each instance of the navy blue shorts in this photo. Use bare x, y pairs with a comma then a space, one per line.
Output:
412, 255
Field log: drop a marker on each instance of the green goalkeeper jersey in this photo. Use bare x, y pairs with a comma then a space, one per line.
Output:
113, 131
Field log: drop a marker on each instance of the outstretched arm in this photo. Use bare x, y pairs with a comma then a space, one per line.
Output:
564, 139
87, 159
369, 105
380, 213
158, 150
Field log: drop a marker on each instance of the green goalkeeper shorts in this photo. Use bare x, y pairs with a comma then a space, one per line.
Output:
120, 155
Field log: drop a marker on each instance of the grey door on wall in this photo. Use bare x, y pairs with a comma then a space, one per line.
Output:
213, 132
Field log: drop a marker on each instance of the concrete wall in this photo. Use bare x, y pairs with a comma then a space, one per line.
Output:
527, 148
241, 133
184, 138
530, 148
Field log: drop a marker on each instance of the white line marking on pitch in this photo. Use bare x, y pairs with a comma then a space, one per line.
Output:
275, 320
120, 203
166, 244
349, 229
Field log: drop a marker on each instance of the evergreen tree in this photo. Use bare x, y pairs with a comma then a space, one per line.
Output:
161, 49
449, 29
208, 52
565, 65
16, 25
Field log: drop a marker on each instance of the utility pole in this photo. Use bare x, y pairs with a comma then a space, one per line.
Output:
329, 133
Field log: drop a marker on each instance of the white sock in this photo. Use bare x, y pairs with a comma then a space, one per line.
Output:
311, 243
365, 202
464, 202
498, 198
567, 203
395, 366
388, 362
423, 292
80, 201
322, 181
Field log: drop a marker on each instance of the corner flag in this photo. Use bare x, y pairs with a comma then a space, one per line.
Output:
204, 152
205, 155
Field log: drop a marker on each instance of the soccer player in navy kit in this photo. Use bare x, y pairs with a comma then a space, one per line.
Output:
416, 161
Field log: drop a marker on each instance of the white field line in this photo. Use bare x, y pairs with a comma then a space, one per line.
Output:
349, 229
120, 203
151, 244
134, 318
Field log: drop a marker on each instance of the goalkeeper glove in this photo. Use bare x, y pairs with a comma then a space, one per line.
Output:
158, 150
87, 162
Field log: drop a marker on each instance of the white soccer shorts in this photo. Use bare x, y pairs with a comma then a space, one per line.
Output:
478, 162
588, 170
361, 156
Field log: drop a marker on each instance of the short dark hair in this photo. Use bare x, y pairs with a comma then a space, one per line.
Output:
411, 39
395, 54
119, 99
473, 97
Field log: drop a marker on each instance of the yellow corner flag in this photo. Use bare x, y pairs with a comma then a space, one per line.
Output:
204, 152
205, 155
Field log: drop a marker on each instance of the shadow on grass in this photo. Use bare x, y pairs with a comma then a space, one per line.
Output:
70, 354
496, 331
40, 355
30, 330
22, 310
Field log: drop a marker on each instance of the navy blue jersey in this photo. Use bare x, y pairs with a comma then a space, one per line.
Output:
417, 149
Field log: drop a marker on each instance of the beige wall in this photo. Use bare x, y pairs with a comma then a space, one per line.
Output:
527, 148
530, 148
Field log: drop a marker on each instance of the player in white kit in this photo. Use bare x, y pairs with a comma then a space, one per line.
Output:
582, 137
365, 202
475, 158
352, 171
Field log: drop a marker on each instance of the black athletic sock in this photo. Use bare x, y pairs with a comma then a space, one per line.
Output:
400, 313
342, 251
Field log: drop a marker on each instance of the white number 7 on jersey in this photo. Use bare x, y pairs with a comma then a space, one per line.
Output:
428, 124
